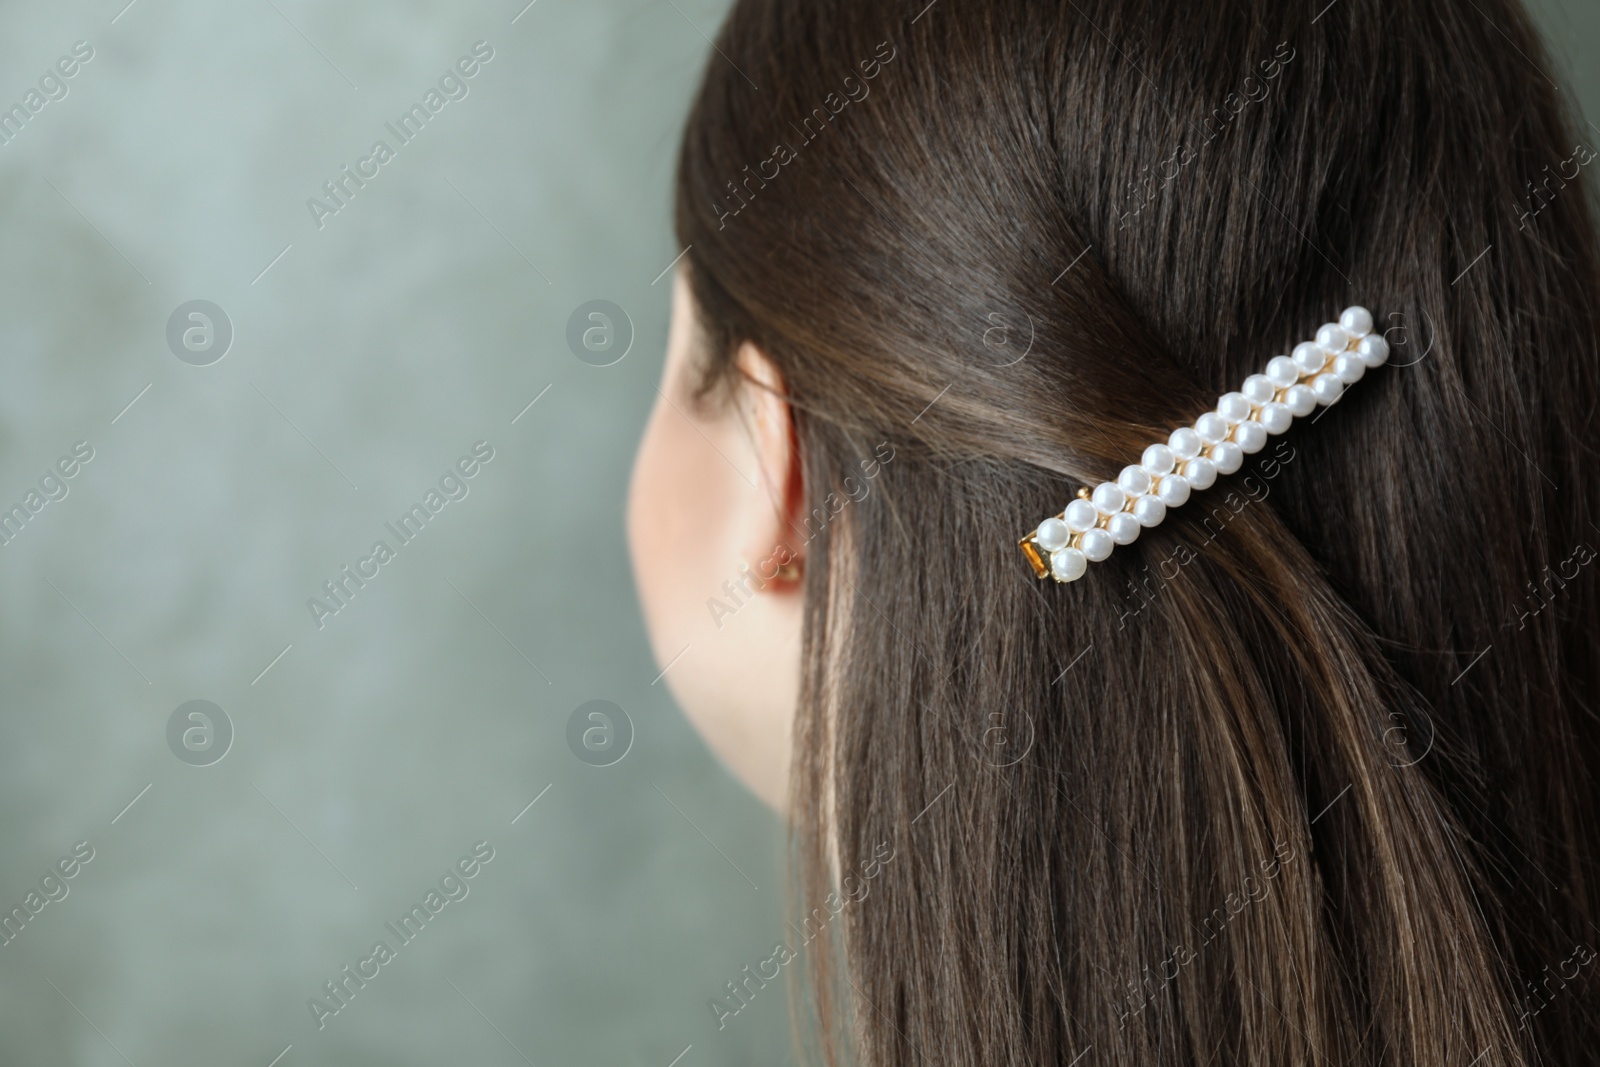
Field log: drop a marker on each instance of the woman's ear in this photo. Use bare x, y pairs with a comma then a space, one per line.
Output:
773, 540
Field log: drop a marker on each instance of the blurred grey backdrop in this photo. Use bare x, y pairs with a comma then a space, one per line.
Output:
372, 347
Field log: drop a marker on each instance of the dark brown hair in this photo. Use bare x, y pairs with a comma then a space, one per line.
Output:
1305, 775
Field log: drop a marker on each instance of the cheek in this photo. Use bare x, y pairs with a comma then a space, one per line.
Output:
733, 675
673, 534
647, 493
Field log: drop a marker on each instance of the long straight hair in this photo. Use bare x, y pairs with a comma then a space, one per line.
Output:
1306, 774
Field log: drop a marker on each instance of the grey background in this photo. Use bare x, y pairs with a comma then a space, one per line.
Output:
429, 712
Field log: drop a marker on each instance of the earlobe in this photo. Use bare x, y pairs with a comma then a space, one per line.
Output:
771, 527
780, 567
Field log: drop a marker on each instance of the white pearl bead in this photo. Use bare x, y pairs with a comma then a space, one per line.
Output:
1173, 491
1276, 417
1068, 564
1356, 321
1123, 528
1108, 498
1332, 338
1133, 481
1348, 368
1157, 459
1300, 400
1200, 473
1327, 388
1052, 534
1258, 389
1081, 515
1234, 408
1212, 427
1309, 357
1185, 443
1096, 545
1373, 350
1227, 456
1149, 510
1250, 436
1282, 371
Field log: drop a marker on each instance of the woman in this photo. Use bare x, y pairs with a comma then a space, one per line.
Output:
1306, 773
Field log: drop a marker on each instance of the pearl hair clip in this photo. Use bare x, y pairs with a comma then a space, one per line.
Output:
1315, 375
